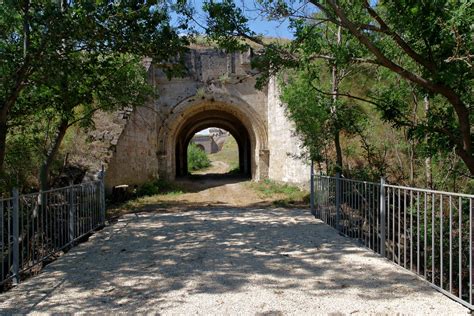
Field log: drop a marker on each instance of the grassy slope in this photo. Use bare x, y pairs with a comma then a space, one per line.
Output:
229, 154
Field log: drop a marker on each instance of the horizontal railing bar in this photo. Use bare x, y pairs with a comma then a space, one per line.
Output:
44, 225
347, 179
469, 196
61, 189
427, 244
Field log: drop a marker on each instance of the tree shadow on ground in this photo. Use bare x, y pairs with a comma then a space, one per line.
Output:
197, 182
145, 259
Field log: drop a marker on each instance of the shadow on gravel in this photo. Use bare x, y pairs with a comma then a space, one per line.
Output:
143, 259
197, 183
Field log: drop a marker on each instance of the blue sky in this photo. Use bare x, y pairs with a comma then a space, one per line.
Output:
257, 23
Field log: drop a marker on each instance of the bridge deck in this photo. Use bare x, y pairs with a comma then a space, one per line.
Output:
224, 261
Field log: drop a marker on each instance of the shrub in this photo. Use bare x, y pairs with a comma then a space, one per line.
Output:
158, 186
197, 158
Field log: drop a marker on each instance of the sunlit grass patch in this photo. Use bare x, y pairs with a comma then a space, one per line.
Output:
284, 194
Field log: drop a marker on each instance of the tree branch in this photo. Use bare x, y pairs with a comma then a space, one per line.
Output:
403, 45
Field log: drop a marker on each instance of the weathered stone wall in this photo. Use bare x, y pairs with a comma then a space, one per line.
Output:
134, 159
284, 146
221, 86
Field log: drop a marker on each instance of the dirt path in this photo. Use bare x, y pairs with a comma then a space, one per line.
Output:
216, 190
217, 167
224, 261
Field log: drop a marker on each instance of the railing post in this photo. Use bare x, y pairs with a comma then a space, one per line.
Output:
102, 195
71, 213
311, 197
338, 201
382, 216
16, 234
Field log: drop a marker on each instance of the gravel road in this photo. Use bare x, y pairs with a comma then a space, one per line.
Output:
220, 261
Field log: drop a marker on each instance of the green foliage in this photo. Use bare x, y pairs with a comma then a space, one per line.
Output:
404, 52
286, 194
227, 25
197, 158
159, 186
63, 61
269, 188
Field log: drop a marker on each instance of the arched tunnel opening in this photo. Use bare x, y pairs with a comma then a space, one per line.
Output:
214, 119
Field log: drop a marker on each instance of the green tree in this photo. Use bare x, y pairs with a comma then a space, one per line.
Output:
427, 44
37, 36
197, 158
80, 88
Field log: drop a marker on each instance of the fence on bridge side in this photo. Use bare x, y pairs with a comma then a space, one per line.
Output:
33, 227
425, 231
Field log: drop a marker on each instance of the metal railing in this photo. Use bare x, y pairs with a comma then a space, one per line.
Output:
425, 231
34, 227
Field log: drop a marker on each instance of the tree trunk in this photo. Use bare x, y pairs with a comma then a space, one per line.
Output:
337, 144
3, 139
19, 79
428, 173
51, 153
335, 91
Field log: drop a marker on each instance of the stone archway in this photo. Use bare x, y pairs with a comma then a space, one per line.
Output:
214, 110
218, 90
218, 119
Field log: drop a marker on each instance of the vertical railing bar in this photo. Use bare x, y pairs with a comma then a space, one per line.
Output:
41, 218
71, 214
91, 224
441, 215
38, 233
399, 222
470, 251
351, 220
393, 226
380, 202
83, 228
370, 222
382, 217
87, 209
9, 242
53, 222
432, 238
102, 195
24, 212
2, 231
366, 222
450, 245
342, 208
418, 232
360, 212
460, 246
425, 219
311, 185
338, 200
347, 209
389, 217
352, 209
16, 232
405, 228
411, 230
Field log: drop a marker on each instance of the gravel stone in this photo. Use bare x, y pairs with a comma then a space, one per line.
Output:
221, 261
